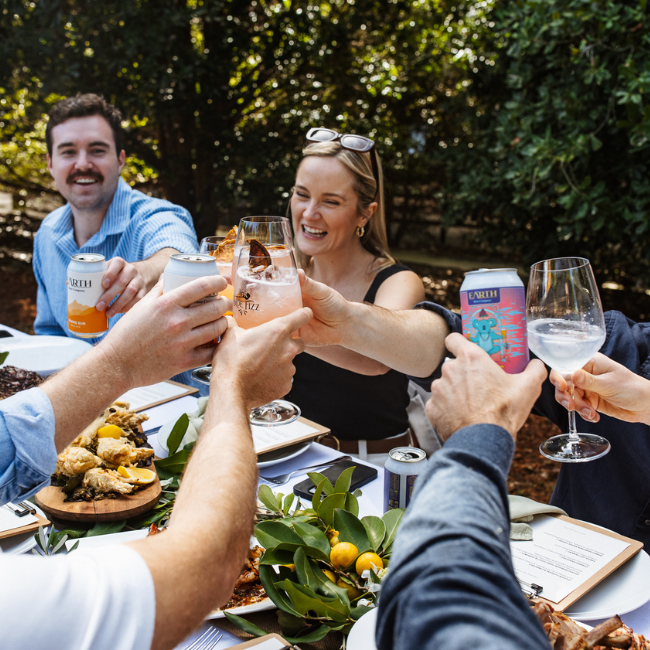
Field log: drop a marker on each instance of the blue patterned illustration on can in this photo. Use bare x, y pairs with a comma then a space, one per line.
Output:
493, 306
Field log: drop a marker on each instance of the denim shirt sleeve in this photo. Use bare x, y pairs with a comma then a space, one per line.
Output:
45, 322
451, 583
27, 452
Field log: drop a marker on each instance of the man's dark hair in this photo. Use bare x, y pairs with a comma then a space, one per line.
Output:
84, 106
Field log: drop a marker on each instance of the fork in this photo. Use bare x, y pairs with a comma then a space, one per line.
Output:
281, 479
208, 640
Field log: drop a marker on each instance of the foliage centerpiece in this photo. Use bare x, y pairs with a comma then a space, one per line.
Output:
322, 565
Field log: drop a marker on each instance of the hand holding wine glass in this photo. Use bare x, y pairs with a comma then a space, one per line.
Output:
266, 286
566, 327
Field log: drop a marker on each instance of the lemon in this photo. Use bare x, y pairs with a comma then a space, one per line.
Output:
141, 475
110, 431
343, 554
353, 592
366, 561
330, 575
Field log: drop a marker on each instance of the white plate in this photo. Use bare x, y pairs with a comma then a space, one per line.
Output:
112, 538
42, 354
19, 544
262, 606
263, 460
624, 591
362, 634
280, 455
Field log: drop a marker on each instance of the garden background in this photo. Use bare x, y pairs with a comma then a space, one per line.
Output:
509, 130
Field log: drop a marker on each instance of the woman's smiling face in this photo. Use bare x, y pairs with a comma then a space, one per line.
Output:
324, 206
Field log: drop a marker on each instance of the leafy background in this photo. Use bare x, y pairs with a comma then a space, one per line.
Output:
526, 121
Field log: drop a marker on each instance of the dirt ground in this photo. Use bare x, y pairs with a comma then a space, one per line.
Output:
531, 475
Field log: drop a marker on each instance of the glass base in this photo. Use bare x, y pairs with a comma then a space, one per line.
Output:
587, 447
202, 375
274, 413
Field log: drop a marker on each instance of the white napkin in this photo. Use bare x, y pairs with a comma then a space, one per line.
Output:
522, 511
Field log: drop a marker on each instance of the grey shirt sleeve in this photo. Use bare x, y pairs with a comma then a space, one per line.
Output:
450, 582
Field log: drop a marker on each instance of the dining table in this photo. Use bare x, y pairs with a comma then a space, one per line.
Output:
370, 503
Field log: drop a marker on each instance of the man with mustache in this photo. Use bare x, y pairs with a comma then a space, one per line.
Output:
135, 233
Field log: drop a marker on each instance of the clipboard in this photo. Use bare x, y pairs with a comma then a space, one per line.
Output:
28, 528
261, 640
316, 431
586, 586
142, 405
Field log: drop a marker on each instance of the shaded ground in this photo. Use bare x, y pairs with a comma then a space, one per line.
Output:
531, 474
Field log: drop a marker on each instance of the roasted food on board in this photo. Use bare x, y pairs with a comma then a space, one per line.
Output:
564, 633
106, 458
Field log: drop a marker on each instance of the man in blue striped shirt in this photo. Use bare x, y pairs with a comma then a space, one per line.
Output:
135, 233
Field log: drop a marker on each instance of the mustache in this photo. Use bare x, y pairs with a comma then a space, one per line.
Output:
74, 175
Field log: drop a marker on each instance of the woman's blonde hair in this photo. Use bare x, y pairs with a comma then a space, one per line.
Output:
375, 239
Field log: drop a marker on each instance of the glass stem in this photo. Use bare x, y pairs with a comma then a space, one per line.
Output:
573, 433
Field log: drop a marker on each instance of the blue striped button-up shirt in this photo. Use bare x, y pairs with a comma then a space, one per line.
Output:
135, 227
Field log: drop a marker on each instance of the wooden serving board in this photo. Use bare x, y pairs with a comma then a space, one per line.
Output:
124, 506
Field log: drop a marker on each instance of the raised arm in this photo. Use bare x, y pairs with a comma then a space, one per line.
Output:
408, 340
195, 563
451, 583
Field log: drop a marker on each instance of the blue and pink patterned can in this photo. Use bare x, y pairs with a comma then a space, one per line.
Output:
493, 305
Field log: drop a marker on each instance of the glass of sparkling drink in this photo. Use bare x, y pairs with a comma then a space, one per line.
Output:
269, 231
266, 286
566, 327
224, 253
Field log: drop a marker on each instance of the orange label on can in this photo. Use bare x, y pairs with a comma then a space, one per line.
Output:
86, 320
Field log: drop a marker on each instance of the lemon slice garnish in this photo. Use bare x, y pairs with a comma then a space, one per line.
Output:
140, 475
110, 431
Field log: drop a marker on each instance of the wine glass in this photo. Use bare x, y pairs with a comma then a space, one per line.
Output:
266, 288
566, 327
223, 257
270, 231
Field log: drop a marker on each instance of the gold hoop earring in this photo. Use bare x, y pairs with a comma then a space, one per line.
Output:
360, 231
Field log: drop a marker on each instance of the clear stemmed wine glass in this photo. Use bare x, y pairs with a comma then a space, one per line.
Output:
266, 288
270, 231
566, 327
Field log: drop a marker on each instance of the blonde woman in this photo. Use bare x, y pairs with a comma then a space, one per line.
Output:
337, 212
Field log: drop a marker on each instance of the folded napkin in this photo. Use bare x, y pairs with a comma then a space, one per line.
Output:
522, 511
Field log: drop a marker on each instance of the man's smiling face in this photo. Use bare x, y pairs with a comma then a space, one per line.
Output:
84, 163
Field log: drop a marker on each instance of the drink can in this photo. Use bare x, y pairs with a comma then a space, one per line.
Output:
402, 468
84, 280
185, 267
493, 305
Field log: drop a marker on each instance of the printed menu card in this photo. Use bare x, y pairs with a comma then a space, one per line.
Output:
567, 557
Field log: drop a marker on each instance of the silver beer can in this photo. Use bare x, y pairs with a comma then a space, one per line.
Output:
84, 280
401, 470
185, 267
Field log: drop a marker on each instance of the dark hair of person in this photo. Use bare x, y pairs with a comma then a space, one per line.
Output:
85, 105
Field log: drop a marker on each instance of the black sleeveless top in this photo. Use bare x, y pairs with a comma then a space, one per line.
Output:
353, 406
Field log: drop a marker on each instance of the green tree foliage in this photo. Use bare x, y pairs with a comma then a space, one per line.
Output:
218, 94
556, 159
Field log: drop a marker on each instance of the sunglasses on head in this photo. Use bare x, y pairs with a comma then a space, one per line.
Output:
350, 141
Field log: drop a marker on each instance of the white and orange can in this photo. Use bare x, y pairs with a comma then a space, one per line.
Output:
85, 273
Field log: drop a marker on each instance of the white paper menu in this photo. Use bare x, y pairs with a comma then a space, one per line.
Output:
562, 556
268, 438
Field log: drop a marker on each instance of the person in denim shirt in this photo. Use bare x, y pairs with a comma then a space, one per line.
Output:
451, 583
103, 214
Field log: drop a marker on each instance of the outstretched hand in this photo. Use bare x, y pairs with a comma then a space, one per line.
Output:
474, 390
330, 311
605, 386
258, 362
